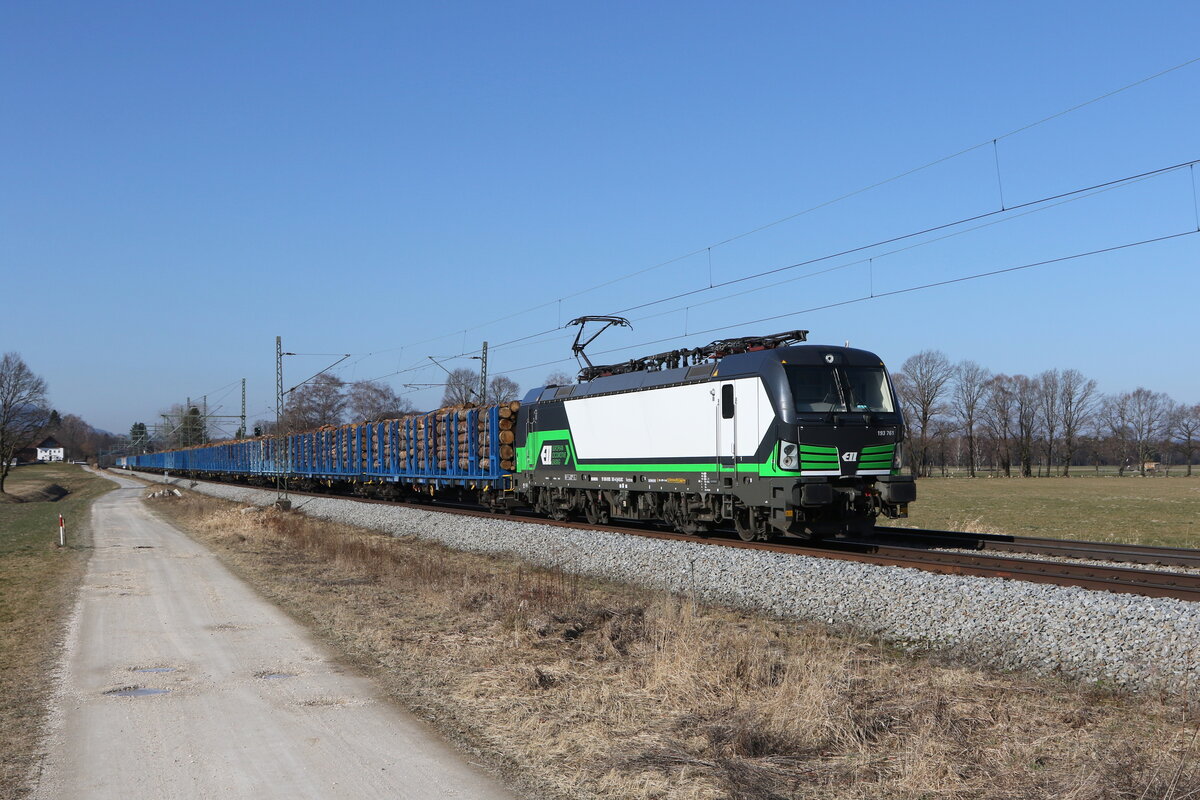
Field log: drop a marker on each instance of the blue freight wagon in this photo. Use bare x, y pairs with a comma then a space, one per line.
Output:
460, 447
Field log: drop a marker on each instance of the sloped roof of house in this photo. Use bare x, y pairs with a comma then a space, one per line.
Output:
48, 443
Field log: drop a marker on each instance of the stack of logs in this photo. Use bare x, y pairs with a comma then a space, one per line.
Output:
451, 426
437, 430
508, 419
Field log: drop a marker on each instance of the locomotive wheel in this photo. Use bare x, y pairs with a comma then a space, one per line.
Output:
594, 514
748, 527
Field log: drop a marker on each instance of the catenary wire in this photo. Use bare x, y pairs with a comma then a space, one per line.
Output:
708, 248
1074, 197
903, 249
819, 206
1027, 207
932, 229
876, 296
856, 300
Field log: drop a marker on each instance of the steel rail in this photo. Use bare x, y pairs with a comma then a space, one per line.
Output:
1125, 580
1065, 548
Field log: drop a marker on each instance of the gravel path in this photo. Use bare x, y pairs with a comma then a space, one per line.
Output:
179, 682
1140, 642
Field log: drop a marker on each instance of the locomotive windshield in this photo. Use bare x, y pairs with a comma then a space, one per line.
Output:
815, 389
869, 389
830, 389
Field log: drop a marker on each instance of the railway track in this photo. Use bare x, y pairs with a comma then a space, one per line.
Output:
1065, 548
925, 551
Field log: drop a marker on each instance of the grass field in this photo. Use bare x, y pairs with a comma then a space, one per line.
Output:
37, 582
1162, 511
584, 689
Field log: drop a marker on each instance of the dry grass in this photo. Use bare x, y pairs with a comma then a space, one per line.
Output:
37, 583
581, 689
1162, 511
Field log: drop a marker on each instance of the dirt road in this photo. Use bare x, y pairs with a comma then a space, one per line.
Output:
225, 696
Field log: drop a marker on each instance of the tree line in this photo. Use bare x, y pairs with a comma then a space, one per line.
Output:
328, 400
962, 415
325, 400
26, 418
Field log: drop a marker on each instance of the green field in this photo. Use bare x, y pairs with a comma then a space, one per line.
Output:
37, 583
1163, 511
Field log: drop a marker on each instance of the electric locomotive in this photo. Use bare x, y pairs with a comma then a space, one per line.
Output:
774, 436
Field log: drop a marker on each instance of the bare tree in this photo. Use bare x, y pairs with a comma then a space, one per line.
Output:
462, 387
23, 410
79, 439
1077, 404
371, 401
1057, 418
970, 389
1049, 403
1025, 408
502, 389
558, 378
923, 383
998, 419
1148, 417
1113, 425
316, 403
1185, 427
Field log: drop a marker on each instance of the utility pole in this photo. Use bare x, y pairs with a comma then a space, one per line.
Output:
242, 435
483, 376
281, 500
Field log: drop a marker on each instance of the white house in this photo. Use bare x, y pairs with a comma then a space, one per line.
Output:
50, 450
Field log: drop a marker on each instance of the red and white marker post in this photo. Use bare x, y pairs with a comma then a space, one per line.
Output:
62, 531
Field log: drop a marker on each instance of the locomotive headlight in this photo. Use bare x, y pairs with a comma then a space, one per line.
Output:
789, 456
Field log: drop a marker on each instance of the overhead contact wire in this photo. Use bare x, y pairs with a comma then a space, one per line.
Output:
913, 246
865, 298
1031, 204
914, 234
833, 201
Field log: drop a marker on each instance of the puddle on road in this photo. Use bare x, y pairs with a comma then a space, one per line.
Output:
143, 547
153, 669
273, 675
134, 691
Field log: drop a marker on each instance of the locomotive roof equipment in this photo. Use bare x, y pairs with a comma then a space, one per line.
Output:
687, 357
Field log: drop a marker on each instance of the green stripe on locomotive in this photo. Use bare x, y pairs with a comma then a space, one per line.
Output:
817, 458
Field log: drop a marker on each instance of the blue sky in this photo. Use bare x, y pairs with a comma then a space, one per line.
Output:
183, 182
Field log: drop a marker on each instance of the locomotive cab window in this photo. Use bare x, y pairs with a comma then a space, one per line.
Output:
869, 390
815, 389
727, 401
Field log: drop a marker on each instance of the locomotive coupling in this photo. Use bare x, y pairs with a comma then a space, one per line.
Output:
897, 489
812, 495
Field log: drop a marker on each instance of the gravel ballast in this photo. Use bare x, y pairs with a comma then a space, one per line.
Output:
1129, 640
